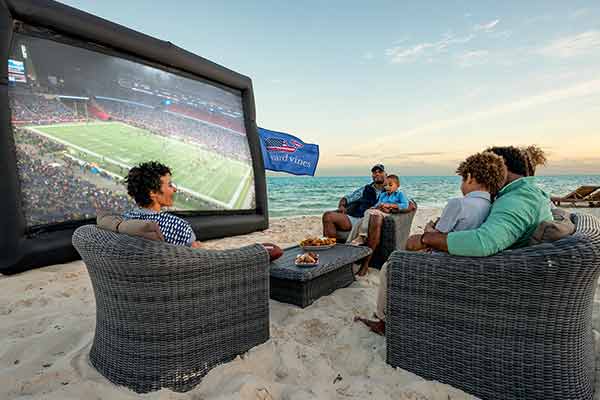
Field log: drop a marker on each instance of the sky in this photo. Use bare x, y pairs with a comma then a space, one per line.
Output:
418, 86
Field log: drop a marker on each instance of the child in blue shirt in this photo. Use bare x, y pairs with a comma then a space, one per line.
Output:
390, 199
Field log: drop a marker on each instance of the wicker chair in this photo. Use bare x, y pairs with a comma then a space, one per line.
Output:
517, 325
394, 234
165, 314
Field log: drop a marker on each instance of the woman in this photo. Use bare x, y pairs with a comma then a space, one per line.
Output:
151, 187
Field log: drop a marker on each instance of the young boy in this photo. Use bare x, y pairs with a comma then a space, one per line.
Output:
390, 199
483, 175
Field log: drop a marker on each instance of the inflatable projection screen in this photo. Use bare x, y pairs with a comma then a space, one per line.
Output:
83, 100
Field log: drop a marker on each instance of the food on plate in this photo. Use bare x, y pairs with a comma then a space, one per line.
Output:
314, 241
307, 258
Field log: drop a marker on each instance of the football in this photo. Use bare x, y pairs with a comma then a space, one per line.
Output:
274, 251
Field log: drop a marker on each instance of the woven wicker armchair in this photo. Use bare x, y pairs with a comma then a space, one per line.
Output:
165, 314
394, 234
517, 325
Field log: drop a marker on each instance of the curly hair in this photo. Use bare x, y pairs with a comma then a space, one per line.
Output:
487, 168
143, 179
516, 160
535, 157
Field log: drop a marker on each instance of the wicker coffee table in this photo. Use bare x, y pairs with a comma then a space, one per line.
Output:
303, 285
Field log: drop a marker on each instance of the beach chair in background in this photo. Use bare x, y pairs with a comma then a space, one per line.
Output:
516, 325
582, 194
594, 199
165, 314
394, 234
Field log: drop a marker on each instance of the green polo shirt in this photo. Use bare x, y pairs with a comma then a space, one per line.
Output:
515, 214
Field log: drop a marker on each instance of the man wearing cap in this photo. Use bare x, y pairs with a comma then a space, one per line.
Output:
352, 207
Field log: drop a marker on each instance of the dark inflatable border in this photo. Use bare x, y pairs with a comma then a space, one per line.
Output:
21, 250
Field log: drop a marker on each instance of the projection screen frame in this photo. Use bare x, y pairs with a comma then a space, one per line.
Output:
22, 248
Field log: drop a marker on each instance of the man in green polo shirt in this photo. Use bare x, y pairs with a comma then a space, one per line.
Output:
519, 208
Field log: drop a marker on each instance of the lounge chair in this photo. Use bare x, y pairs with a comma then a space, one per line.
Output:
166, 314
516, 325
580, 195
394, 234
594, 199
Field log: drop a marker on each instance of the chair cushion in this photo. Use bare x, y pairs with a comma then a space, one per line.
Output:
133, 227
549, 231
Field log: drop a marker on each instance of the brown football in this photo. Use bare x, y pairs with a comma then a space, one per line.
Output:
274, 251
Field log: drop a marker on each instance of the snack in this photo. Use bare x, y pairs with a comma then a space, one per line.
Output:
313, 241
307, 258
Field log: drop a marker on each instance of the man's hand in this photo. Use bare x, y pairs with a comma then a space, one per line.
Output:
342, 205
414, 243
412, 206
430, 227
197, 244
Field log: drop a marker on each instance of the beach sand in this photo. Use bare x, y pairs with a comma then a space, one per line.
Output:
47, 324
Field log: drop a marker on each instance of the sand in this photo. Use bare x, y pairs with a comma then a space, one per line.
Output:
47, 323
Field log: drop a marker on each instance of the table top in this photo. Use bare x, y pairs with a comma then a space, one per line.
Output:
329, 260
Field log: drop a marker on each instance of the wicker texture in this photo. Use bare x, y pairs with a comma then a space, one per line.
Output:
394, 234
165, 314
304, 285
516, 325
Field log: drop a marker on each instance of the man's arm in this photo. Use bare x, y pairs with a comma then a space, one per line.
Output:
434, 240
500, 230
357, 194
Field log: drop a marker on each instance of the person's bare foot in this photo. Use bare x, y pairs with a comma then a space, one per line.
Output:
376, 326
358, 241
363, 271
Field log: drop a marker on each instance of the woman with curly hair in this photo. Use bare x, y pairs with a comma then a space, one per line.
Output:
535, 157
151, 187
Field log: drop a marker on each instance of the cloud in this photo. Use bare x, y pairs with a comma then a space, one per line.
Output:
353, 155
400, 54
471, 58
582, 12
571, 46
409, 155
537, 19
501, 34
486, 27
579, 90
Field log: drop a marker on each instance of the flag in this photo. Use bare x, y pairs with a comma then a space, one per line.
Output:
286, 153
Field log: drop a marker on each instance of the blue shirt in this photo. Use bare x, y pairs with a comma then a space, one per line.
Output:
174, 229
464, 213
396, 197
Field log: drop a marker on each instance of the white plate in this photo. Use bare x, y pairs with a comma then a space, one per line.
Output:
317, 248
306, 265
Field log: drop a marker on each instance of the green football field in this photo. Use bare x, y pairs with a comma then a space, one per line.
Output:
116, 147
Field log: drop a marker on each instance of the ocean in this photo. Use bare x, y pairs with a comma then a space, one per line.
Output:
307, 195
